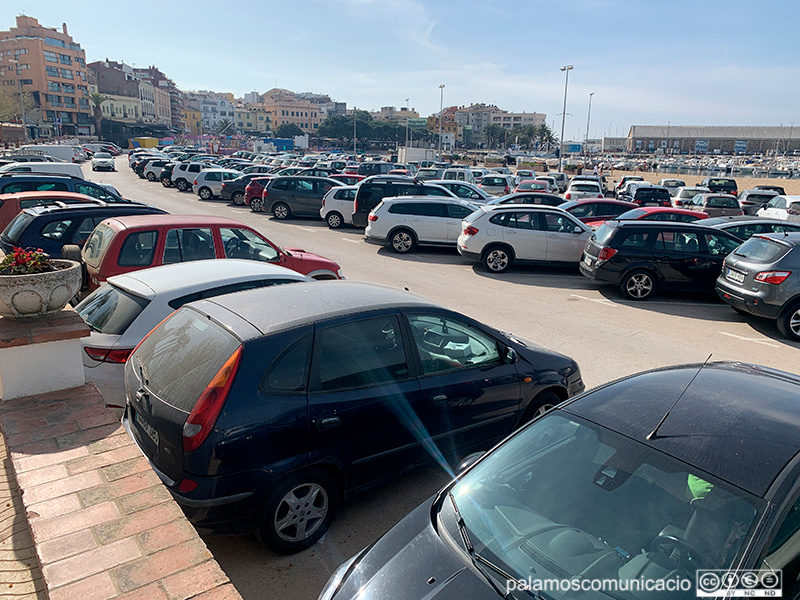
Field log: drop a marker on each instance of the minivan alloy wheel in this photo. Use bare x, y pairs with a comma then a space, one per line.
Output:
257, 204
301, 512
402, 241
280, 211
238, 198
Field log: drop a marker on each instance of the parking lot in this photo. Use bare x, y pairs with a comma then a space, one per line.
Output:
557, 308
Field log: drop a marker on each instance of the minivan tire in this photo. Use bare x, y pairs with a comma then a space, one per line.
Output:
205, 193
402, 241
334, 220
789, 322
638, 285
310, 497
237, 198
166, 182
281, 211
497, 259
182, 185
257, 204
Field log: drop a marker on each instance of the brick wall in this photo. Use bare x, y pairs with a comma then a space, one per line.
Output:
103, 524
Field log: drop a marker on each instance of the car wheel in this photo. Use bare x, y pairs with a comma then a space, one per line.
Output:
638, 285
789, 322
298, 512
257, 204
151, 176
334, 220
237, 198
281, 211
166, 182
94, 168
496, 259
402, 241
182, 185
205, 193
540, 405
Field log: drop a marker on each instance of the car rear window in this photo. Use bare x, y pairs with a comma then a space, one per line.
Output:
493, 181
603, 234
585, 187
652, 194
635, 213
761, 250
110, 309
720, 202
181, 356
13, 232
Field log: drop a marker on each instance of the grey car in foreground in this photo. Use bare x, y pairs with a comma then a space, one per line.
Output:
762, 278
652, 478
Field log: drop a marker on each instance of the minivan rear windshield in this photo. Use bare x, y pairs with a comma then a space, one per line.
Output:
14, 230
181, 356
761, 250
650, 194
110, 309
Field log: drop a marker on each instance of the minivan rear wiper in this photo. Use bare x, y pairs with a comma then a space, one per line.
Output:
739, 254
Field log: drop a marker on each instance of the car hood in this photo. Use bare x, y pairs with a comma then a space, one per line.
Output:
306, 262
412, 558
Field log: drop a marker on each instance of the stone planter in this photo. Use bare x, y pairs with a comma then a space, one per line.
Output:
39, 294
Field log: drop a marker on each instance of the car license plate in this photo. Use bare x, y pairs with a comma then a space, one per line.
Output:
735, 276
587, 260
151, 431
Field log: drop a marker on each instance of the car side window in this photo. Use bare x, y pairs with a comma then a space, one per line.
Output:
184, 245
558, 223
678, 241
303, 186
435, 191
94, 192
138, 249
55, 230
84, 230
499, 219
745, 232
282, 184
32, 186
457, 211
717, 245
243, 243
194, 168
288, 374
635, 239
213, 176
429, 209
361, 354
783, 552
583, 210
445, 344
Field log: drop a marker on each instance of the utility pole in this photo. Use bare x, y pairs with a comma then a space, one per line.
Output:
441, 117
566, 69
588, 117
407, 111
355, 154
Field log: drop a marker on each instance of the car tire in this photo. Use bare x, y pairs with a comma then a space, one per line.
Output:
306, 499
182, 185
334, 220
257, 204
402, 241
638, 285
151, 176
789, 322
281, 211
71, 252
540, 405
497, 259
205, 193
238, 198
94, 169
166, 182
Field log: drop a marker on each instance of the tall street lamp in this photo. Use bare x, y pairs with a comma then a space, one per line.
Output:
21, 101
566, 69
588, 117
669, 151
407, 111
355, 154
441, 117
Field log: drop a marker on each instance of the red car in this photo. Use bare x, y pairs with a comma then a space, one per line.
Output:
596, 211
124, 244
254, 188
12, 204
533, 185
662, 213
347, 178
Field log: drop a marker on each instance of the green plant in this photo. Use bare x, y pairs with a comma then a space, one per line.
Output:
24, 261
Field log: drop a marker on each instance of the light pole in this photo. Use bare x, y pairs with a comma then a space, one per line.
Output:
21, 101
588, 117
566, 69
407, 111
669, 151
355, 154
789, 140
441, 117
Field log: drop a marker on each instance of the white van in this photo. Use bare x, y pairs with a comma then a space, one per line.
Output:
61, 151
458, 174
44, 167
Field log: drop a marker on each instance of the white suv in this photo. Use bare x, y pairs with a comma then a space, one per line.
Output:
583, 188
404, 222
501, 234
208, 184
184, 174
337, 206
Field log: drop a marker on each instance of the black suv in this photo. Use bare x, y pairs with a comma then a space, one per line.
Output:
52, 227
721, 185
375, 168
266, 418
648, 195
13, 183
641, 256
370, 193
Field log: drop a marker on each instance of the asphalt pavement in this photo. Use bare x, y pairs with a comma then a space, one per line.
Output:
557, 308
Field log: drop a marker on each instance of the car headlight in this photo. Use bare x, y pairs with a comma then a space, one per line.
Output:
336, 580
339, 274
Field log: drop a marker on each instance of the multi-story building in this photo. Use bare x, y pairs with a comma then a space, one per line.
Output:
192, 121
252, 98
284, 106
474, 118
52, 68
390, 113
119, 108
167, 96
214, 108
511, 120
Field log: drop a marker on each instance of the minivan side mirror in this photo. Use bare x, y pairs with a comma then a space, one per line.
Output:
469, 460
510, 355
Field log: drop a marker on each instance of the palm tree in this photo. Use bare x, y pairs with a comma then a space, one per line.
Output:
225, 126
97, 100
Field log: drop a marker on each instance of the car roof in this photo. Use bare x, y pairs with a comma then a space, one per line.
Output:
667, 209
791, 238
48, 196
741, 219
517, 206
38, 211
196, 275
628, 223
305, 303
412, 198
612, 201
132, 221
760, 192
737, 421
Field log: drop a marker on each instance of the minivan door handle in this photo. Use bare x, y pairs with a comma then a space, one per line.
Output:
440, 399
328, 423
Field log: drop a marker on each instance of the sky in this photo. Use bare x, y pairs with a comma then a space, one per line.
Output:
686, 62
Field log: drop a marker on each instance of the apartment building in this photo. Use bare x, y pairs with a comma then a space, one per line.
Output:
167, 96
390, 113
511, 120
284, 106
52, 68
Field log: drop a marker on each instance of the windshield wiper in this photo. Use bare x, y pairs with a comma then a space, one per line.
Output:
477, 559
740, 254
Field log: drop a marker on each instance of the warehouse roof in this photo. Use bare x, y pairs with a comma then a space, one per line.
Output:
733, 132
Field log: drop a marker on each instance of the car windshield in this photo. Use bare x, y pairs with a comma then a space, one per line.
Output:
567, 500
761, 250
634, 213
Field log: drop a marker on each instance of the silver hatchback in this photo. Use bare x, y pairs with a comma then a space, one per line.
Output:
762, 278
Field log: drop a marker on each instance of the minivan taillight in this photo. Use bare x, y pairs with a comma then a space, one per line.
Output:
207, 408
775, 277
606, 253
372, 217
470, 230
108, 355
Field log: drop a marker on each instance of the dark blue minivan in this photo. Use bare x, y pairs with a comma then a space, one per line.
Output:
262, 408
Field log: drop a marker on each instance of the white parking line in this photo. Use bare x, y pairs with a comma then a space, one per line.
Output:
351, 241
309, 229
749, 339
598, 300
